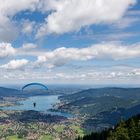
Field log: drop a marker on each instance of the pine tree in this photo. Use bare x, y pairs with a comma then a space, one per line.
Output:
137, 134
132, 129
121, 132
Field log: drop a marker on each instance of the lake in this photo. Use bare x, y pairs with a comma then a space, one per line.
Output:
43, 104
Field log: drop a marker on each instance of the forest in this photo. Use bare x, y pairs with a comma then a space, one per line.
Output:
124, 130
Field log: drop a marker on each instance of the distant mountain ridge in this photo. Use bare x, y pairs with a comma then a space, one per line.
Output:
8, 92
110, 91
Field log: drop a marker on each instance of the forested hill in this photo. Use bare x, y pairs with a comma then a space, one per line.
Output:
125, 130
8, 92
129, 93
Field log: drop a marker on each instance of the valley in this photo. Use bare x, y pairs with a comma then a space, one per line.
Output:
64, 116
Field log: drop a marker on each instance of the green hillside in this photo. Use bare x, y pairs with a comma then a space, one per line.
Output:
102, 107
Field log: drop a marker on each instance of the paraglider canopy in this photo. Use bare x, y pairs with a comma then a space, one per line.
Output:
31, 84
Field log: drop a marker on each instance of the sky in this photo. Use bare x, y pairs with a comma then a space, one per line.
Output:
70, 41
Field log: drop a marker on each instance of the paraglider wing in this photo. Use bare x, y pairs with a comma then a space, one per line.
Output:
38, 84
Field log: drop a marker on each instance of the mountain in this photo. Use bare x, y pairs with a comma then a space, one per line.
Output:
125, 130
112, 117
94, 101
8, 92
130, 93
94, 105
102, 108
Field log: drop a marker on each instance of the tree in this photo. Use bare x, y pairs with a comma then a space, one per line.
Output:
132, 129
121, 132
23, 133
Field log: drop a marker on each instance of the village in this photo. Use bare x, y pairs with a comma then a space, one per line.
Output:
32, 125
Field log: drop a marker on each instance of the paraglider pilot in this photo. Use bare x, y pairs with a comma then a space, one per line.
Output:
34, 104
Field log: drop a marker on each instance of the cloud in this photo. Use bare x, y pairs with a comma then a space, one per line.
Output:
9, 28
6, 50
135, 72
8, 31
29, 46
61, 56
126, 22
106, 75
27, 27
62, 16
15, 64
106, 36
11, 8
72, 15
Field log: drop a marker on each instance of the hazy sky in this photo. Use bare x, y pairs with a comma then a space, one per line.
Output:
70, 41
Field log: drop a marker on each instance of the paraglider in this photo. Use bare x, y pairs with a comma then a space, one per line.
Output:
36, 84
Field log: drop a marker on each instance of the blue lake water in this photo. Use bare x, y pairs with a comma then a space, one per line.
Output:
43, 104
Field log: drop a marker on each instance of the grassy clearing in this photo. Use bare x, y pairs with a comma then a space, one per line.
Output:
59, 128
13, 138
78, 130
47, 137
